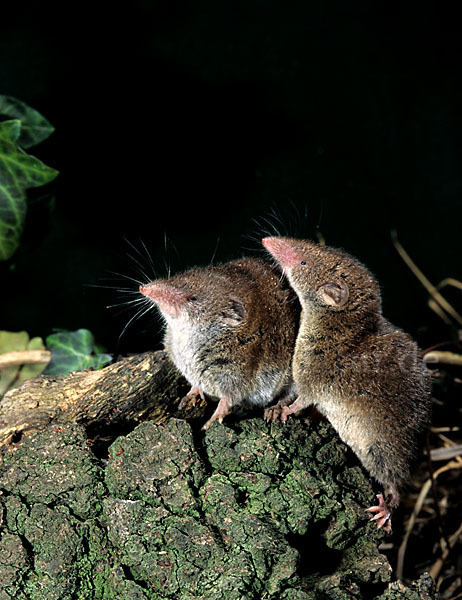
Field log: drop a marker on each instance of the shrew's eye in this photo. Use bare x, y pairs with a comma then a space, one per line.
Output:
303, 262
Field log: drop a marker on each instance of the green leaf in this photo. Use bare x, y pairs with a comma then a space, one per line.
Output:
34, 370
10, 130
18, 172
10, 341
73, 351
34, 127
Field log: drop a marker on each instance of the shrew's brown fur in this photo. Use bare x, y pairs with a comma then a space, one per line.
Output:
363, 373
231, 330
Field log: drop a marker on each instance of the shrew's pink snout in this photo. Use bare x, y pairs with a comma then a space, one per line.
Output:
169, 299
283, 251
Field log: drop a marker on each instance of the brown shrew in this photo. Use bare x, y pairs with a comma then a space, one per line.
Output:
363, 373
231, 331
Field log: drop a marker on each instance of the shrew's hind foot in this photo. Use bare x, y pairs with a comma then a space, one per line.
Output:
193, 397
383, 514
384, 509
293, 408
273, 413
223, 409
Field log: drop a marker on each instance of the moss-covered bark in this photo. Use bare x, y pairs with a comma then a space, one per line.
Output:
248, 510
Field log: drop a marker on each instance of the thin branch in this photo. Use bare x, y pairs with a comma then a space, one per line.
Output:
451, 282
24, 357
447, 358
417, 507
446, 453
438, 564
432, 290
436, 308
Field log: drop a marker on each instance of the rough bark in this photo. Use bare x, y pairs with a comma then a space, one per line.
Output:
245, 511
145, 386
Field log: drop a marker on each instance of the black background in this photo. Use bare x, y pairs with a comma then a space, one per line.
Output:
192, 119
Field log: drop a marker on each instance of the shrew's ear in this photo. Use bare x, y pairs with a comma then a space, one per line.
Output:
235, 312
334, 293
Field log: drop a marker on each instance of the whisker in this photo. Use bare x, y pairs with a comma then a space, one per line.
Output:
127, 302
277, 218
259, 250
140, 267
112, 287
166, 265
215, 251
151, 262
128, 277
167, 239
140, 313
141, 261
321, 211
132, 245
272, 226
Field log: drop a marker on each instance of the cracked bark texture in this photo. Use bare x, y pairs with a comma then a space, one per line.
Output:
246, 511
138, 387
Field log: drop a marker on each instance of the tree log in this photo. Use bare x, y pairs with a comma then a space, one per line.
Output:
145, 386
246, 510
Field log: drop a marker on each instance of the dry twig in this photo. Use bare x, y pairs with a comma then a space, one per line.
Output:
438, 564
24, 357
417, 507
432, 290
447, 358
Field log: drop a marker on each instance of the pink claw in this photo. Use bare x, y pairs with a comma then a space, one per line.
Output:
223, 409
383, 516
195, 391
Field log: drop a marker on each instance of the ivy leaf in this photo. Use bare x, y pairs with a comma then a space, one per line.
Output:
73, 351
18, 172
34, 127
29, 371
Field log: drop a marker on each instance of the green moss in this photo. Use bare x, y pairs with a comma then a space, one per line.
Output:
56, 467
115, 585
52, 486
246, 511
422, 589
157, 467
14, 564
